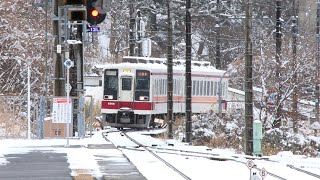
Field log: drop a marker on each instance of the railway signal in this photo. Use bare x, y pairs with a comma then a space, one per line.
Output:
77, 11
97, 11
73, 2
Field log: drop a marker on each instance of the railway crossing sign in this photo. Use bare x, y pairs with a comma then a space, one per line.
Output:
250, 164
263, 173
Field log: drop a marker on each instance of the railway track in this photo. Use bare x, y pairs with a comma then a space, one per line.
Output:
156, 150
158, 157
209, 156
304, 171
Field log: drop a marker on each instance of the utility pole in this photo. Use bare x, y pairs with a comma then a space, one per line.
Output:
294, 68
46, 57
132, 29
57, 58
218, 45
170, 74
188, 72
277, 121
139, 33
248, 81
317, 93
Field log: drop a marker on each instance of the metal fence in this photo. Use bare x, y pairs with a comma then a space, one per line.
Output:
14, 117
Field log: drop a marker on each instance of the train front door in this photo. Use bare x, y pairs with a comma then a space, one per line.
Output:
126, 93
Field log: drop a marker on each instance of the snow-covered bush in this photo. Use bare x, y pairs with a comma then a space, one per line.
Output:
275, 140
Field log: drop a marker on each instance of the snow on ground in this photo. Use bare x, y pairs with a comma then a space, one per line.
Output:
80, 157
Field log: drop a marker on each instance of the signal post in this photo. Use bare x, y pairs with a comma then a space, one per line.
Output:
70, 19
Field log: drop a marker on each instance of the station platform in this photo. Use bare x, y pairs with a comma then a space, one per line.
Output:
81, 159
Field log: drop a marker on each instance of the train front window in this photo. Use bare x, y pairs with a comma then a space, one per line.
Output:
142, 84
126, 84
142, 87
111, 84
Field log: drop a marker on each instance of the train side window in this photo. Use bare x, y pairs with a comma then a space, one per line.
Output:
211, 86
193, 88
174, 86
215, 89
178, 87
197, 87
165, 85
160, 86
201, 88
208, 88
223, 89
204, 88
155, 87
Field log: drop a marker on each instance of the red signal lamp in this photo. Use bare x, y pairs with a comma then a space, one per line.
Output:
94, 13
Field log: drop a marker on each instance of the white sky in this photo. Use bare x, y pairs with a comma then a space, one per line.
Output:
194, 167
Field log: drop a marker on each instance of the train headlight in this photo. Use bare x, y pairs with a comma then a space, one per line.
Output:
108, 97
143, 98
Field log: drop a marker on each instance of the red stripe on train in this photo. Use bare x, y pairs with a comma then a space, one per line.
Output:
132, 105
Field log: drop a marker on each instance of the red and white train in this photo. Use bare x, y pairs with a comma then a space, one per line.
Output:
135, 91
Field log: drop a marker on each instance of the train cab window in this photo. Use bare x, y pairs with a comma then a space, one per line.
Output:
110, 89
126, 84
142, 84
142, 87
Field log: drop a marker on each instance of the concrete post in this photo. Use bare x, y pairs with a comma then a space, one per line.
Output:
257, 137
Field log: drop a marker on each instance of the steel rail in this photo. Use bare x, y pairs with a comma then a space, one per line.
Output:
158, 157
303, 171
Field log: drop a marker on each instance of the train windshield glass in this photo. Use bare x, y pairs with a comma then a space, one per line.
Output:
142, 85
143, 80
111, 83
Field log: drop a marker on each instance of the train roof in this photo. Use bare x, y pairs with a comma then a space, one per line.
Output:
148, 60
159, 64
